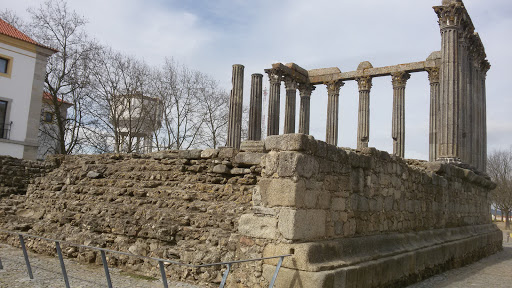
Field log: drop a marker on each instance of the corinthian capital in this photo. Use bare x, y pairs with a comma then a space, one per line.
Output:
333, 87
451, 16
364, 83
290, 83
274, 75
399, 79
306, 89
433, 74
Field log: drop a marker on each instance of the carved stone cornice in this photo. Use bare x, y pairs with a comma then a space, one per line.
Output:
364, 83
290, 83
399, 79
333, 87
306, 89
433, 75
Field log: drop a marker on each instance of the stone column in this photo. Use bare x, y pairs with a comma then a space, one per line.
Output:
289, 112
254, 132
449, 138
274, 102
474, 112
363, 127
470, 103
399, 79
305, 97
433, 77
486, 66
333, 90
235, 107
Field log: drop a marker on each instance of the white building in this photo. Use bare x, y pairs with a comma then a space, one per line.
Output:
48, 128
22, 72
136, 117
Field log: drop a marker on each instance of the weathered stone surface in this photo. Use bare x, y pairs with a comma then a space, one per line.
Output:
282, 192
166, 207
302, 224
248, 158
189, 154
222, 169
227, 153
291, 142
16, 174
209, 153
296, 164
258, 226
94, 174
252, 146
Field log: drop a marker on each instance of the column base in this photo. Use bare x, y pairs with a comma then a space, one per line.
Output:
453, 160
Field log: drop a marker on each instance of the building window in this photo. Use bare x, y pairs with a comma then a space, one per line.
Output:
5, 66
4, 128
48, 117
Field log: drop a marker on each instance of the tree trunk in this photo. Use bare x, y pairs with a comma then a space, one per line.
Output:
507, 220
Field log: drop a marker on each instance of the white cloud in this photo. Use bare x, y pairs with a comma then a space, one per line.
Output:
213, 35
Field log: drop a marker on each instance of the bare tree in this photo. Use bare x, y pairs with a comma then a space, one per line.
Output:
118, 105
499, 168
67, 72
13, 19
66, 80
180, 90
215, 110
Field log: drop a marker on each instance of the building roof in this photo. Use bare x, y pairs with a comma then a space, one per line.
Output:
9, 30
48, 96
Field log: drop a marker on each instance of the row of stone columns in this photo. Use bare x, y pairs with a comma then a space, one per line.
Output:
332, 126
460, 115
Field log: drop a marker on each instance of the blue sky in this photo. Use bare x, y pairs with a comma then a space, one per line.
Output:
212, 35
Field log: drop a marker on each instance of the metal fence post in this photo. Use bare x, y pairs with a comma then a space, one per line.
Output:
162, 271
225, 276
61, 260
105, 266
276, 272
25, 254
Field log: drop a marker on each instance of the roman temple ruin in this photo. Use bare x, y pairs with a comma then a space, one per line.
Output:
347, 217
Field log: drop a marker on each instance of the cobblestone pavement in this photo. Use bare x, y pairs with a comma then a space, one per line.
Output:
47, 273
494, 271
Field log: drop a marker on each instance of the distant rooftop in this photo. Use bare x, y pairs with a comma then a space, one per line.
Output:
9, 30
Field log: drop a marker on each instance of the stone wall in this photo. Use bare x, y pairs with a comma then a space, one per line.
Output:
349, 218
16, 174
343, 213
180, 205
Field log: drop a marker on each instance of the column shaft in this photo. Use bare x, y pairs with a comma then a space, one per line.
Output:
463, 108
363, 127
399, 81
433, 75
305, 99
254, 132
235, 107
451, 16
333, 90
289, 113
274, 103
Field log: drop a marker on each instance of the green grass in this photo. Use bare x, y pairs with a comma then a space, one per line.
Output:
137, 276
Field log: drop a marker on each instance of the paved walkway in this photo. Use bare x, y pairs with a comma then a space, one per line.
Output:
494, 271
47, 273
